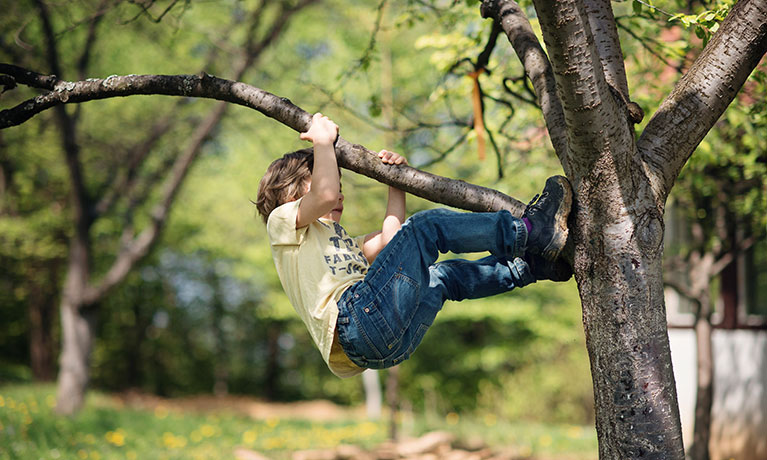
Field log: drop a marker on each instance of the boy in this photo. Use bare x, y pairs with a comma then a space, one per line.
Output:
368, 301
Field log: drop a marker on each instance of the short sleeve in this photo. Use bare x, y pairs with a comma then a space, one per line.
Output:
281, 225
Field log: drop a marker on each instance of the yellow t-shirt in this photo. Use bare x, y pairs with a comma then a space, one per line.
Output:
316, 264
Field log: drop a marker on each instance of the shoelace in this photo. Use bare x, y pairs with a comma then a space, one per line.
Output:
532, 205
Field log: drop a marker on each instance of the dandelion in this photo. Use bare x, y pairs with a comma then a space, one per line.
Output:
2, 401
490, 419
50, 401
82, 454
545, 440
195, 436
452, 418
207, 430
273, 443
116, 438
249, 437
575, 432
172, 441
272, 422
368, 429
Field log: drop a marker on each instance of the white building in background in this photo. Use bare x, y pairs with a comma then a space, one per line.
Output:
739, 413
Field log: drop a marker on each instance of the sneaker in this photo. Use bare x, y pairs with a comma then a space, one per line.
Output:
542, 269
547, 214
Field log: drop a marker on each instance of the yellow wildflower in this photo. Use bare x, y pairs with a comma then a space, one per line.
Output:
249, 437
116, 438
207, 430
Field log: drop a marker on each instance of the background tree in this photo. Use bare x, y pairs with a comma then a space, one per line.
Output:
140, 192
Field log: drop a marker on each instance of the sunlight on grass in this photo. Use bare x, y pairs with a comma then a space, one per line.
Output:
106, 430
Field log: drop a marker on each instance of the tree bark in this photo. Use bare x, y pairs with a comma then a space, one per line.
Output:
704, 398
618, 236
41, 310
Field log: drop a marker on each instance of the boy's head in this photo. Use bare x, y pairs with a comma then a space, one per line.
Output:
285, 180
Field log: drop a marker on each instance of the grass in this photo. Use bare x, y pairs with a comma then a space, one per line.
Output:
105, 429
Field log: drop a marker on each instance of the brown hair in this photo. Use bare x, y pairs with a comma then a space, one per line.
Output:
284, 181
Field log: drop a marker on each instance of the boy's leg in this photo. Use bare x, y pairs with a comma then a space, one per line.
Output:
377, 314
382, 318
460, 279
382, 330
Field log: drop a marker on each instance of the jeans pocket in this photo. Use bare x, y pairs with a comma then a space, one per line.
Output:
395, 305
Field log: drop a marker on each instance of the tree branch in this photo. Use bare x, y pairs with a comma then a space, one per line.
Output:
704, 92
681, 288
140, 246
353, 157
587, 99
537, 68
605, 31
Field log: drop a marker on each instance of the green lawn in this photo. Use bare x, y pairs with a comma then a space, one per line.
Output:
106, 430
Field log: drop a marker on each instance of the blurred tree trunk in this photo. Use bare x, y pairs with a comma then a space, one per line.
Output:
82, 293
41, 311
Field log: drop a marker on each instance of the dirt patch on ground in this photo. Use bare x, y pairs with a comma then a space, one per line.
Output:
317, 410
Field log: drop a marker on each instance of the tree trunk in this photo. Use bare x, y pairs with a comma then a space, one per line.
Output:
272, 377
618, 237
705, 389
40, 314
77, 327
392, 399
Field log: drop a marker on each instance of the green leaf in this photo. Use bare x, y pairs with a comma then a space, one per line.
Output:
637, 7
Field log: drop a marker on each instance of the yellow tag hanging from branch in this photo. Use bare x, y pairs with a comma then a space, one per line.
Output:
479, 124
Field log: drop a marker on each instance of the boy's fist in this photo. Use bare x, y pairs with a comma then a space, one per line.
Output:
391, 158
322, 130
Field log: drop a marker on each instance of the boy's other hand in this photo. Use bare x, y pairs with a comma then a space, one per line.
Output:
322, 131
392, 158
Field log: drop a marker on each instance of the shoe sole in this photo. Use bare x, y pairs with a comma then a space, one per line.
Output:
557, 243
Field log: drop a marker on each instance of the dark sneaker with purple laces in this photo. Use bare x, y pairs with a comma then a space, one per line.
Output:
547, 214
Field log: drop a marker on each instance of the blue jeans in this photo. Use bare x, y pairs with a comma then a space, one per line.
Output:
384, 317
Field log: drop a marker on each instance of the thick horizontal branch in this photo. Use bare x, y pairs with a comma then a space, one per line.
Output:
356, 158
704, 92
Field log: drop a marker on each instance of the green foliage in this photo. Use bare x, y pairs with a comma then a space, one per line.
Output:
706, 23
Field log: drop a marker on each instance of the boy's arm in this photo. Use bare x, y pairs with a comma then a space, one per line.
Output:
325, 186
395, 213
